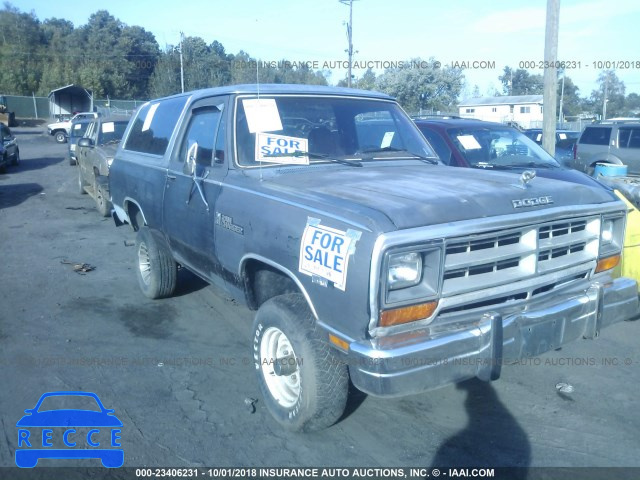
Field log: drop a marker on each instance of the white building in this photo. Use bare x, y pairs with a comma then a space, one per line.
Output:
525, 110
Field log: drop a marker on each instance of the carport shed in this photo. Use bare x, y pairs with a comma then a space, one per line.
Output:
65, 101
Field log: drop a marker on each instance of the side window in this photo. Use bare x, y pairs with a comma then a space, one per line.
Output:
89, 132
154, 125
220, 142
634, 141
201, 136
596, 136
623, 137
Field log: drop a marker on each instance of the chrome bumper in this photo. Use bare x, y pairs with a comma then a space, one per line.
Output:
426, 359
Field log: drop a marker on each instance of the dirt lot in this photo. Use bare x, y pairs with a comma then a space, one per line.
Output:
178, 372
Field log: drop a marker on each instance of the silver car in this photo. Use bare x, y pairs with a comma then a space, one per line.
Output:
616, 142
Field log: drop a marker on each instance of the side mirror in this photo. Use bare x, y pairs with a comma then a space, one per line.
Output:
85, 142
190, 160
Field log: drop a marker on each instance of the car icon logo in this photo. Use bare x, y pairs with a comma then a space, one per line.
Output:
88, 431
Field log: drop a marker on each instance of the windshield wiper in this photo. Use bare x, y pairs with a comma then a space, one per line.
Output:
514, 166
431, 160
322, 156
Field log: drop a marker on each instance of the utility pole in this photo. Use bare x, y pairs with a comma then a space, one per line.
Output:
349, 38
604, 99
181, 64
550, 93
560, 114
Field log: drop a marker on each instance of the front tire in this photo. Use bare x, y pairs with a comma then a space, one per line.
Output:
60, 137
304, 384
157, 270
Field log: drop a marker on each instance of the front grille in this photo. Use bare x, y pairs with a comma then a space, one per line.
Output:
476, 262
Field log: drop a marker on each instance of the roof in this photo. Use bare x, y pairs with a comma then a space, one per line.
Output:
503, 100
282, 88
71, 89
459, 122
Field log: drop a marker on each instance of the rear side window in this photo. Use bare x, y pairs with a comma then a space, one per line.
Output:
629, 137
596, 136
154, 125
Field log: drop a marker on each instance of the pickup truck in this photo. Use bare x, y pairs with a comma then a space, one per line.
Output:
61, 130
328, 212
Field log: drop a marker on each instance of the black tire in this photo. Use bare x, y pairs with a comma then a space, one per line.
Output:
319, 395
3, 164
16, 159
157, 270
60, 137
81, 183
103, 204
72, 162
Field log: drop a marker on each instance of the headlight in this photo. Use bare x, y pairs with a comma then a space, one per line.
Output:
606, 235
411, 274
405, 270
611, 241
411, 283
109, 162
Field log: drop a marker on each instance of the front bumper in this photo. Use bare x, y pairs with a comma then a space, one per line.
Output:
477, 347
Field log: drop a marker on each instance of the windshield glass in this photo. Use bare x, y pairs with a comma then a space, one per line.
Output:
484, 147
314, 129
111, 132
78, 129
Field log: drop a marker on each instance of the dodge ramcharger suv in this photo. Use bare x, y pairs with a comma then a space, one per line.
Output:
328, 212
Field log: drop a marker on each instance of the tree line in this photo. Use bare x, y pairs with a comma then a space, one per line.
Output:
125, 62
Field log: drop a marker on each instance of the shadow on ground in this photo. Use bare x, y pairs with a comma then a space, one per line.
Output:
492, 437
12, 195
36, 164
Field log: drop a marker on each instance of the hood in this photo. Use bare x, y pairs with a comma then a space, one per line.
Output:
411, 195
566, 174
66, 124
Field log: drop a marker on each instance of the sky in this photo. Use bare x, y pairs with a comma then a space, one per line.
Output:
593, 34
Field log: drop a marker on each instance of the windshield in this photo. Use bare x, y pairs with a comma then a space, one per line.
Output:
317, 129
484, 147
78, 129
111, 132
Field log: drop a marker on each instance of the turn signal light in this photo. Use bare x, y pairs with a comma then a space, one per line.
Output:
402, 315
607, 263
338, 342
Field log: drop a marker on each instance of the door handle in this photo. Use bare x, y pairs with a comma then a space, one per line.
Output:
171, 177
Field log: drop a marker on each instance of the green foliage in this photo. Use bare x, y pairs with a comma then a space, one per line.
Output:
120, 61
613, 88
429, 87
520, 82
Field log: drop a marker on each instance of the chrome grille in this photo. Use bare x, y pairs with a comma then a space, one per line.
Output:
485, 260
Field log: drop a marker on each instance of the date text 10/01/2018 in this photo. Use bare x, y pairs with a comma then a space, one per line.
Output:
576, 64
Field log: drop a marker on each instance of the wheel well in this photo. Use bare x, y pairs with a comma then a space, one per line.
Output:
136, 219
263, 282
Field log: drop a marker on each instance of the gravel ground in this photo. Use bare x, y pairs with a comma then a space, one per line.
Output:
178, 371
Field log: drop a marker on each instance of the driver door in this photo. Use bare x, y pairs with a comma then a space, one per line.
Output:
193, 185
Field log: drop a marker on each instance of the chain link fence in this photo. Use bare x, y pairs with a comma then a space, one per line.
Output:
38, 107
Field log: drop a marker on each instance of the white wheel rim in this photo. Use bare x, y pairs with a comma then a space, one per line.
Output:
284, 389
144, 264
